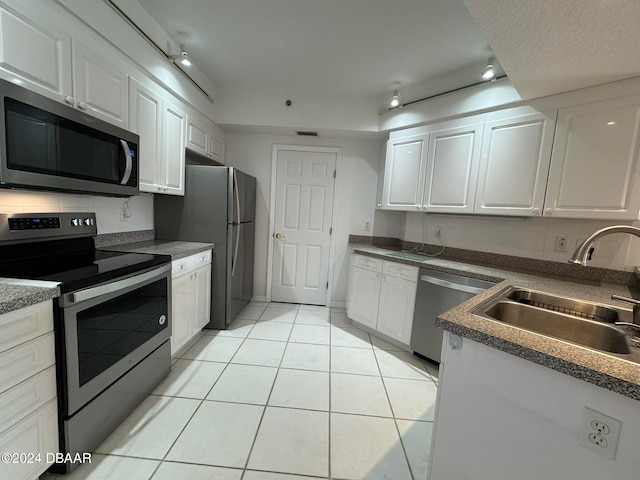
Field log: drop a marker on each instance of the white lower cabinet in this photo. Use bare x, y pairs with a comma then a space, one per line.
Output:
382, 296
28, 402
190, 297
499, 416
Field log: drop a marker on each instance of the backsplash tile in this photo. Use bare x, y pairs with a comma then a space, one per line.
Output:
107, 209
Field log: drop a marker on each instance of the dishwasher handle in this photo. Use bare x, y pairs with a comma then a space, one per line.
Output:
455, 286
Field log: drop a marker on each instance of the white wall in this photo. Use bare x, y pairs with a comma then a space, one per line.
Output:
107, 209
356, 193
530, 238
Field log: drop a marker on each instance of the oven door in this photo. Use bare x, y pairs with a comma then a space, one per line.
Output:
108, 329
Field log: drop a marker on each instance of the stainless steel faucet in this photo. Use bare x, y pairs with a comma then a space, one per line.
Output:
581, 254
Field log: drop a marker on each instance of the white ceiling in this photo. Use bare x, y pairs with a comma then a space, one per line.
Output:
548, 47
326, 47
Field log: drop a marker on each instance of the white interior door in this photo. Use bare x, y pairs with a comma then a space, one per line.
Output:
304, 187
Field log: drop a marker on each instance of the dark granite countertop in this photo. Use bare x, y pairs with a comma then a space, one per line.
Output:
16, 294
175, 249
595, 367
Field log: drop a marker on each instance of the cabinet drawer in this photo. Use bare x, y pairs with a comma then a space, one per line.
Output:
25, 324
26, 360
406, 272
190, 263
38, 433
26, 397
370, 263
202, 258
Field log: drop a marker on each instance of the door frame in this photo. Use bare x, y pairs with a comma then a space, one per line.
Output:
272, 203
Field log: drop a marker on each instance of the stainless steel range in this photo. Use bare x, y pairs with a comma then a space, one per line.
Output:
112, 324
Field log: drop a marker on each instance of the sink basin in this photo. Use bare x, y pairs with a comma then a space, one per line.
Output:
577, 308
588, 333
416, 257
599, 327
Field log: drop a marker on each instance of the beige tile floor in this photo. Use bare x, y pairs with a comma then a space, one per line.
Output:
289, 392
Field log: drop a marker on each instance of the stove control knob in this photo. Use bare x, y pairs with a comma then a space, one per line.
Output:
76, 222
88, 221
162, 320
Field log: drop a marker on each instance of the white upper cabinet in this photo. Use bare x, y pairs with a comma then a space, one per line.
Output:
405, 173
217, 143
197, 133
174, 127
99, 88
35, 55
204, 137
145, 119
162, 129
514, 164
452, 170
594, 167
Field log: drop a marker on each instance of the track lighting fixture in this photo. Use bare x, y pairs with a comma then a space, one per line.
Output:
489, 72
395, 100
182, 59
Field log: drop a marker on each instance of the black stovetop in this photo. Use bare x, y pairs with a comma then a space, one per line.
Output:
73, 262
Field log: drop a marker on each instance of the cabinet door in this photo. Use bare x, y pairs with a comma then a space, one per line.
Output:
452, 170
182, 311
514, 165
173, 138
197, 134
100, 88
594, 166
145, 119
364, 291
203, 297
397, 302
36, 434
217, 140
33, 55
404, 173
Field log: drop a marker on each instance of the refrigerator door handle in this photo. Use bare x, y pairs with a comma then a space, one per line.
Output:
237, 194
234, 260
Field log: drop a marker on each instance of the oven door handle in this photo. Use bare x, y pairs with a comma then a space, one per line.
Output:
94, 292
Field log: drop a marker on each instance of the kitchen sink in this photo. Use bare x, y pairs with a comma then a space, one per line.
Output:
590, 325
576, 308
588, 333
416, 257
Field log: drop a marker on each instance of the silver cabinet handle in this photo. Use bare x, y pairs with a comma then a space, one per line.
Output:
82, 105
69, 99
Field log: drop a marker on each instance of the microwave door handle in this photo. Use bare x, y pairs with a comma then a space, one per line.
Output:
129, 167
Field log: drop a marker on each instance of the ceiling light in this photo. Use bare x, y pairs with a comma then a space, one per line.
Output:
395, 100
183, 59
489, 73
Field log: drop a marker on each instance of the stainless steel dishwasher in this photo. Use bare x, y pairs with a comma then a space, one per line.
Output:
437, 293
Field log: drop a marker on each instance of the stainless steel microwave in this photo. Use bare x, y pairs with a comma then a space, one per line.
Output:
46, 145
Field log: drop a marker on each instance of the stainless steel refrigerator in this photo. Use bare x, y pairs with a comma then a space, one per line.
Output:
219, 206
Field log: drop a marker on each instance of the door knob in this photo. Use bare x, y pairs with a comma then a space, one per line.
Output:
279, 236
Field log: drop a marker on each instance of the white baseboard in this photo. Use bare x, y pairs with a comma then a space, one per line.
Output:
259, 298
338, 305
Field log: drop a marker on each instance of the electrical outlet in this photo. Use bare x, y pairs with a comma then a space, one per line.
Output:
599, 433
124, 216
439, 231
367, 226
561, 244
